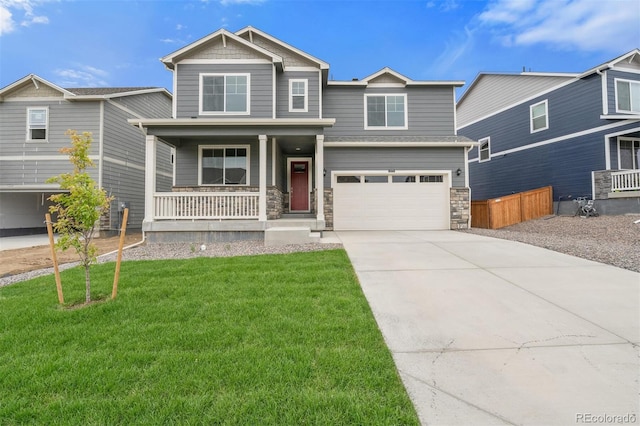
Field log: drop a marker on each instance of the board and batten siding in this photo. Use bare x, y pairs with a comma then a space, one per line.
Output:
336, 159
187, 94
430, 110
313, 94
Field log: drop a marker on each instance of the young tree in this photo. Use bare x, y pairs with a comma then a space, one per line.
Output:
80, 208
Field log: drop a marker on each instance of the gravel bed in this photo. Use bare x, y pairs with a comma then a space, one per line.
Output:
614, 240
184, 251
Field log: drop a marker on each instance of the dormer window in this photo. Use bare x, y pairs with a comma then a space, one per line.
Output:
298, 96
627, 96
385, 112
224, 94
37, 123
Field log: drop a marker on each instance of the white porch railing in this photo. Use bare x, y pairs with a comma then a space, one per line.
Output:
628, 180
205, 205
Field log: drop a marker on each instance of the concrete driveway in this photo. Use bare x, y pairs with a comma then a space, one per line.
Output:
486, 331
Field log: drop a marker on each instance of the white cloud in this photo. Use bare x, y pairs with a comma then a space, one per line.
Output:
82, 76
586, 25
6, 23
10, 9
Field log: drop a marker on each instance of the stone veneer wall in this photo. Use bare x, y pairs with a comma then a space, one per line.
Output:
602, 184
328, 208
460, 208
275, 197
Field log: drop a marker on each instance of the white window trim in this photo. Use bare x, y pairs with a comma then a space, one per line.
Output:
385, 127
202, 147
46, 126
631, 82
546, 112
618, 148
480, 142
201, 111
306, 94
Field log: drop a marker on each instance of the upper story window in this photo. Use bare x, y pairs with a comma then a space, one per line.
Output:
385, 112
224, 165
627, 96
37, 123
539, 116
629, 153
484, 150
298, 98
224, 94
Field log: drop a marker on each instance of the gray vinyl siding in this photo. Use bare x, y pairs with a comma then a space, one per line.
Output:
149, 105
282, 94
187, 162
336, 159
612, 75
63, 115
430, 111
187, 93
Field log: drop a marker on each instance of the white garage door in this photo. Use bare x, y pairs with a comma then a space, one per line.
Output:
391, 201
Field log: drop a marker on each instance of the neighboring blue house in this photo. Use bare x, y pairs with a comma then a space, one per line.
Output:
34, 116
579, 133
265, 140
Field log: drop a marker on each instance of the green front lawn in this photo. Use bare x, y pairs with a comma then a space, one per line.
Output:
273, 339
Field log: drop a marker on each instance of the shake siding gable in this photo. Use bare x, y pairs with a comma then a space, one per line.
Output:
261, 88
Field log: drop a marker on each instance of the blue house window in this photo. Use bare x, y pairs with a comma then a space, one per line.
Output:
224, 94
539, 116
484, 150
385, 112
627, 96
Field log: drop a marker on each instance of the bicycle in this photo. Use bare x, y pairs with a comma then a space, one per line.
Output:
585, 207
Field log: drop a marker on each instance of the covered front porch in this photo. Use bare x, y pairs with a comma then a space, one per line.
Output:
234, 181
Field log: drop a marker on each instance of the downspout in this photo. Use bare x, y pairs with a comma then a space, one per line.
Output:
466, 181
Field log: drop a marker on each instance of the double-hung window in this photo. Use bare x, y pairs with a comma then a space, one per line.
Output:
539, 116
298, 98
224, 94
385, 112
628, 96
484, 150
629, 153
37, 123
224, 165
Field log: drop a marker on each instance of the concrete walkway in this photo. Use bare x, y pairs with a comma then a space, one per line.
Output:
486, 331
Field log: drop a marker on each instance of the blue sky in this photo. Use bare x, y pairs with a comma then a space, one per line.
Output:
86, 43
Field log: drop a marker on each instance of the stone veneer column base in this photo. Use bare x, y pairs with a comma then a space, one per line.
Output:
460, 208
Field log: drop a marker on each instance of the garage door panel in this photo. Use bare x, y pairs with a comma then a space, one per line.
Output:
394, 206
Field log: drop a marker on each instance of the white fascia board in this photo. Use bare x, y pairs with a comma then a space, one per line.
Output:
54, 187
118, 95
620, 117
322, 64
366, 144
188, 122
611, 63
347, 83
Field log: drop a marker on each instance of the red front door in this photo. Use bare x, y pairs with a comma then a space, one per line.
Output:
299, 193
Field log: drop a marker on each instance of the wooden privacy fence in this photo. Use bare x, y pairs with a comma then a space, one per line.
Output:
511, 209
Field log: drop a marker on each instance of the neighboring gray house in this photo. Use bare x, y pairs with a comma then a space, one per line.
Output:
579, 133
265, 140
34, 116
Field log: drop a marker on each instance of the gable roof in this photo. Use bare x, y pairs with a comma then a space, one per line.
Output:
389, 78
171, 59
82, 93
490, 93
249, 30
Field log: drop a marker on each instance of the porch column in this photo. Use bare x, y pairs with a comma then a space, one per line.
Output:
151, 143
262, 196
320, 177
